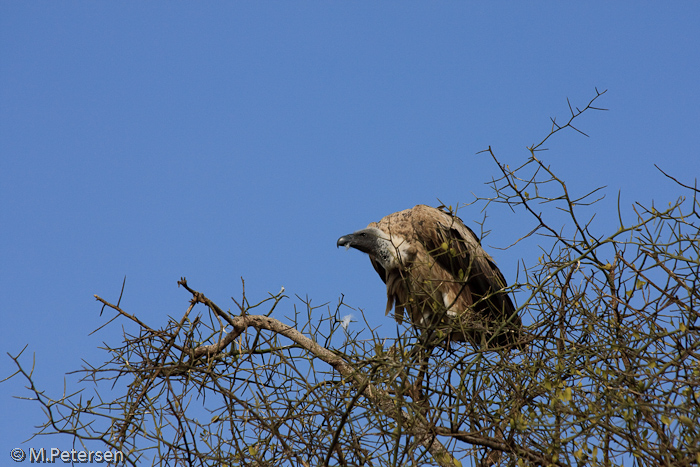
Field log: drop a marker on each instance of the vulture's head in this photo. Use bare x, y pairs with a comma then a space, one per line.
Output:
370, 240
378, 245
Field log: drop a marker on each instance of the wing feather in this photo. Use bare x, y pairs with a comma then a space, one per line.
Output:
456, 249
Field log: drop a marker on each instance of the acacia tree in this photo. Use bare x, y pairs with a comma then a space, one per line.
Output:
610, 373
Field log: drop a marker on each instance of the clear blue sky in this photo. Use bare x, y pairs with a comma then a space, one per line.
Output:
215, 140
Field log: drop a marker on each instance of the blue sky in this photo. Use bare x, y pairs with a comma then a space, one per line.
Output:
220, 140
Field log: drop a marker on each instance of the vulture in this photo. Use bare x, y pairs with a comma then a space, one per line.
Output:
437, 273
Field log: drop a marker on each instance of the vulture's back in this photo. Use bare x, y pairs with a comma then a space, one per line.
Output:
443, 277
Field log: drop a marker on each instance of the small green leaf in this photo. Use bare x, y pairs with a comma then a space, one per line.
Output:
446, 458
686, 421
565, 395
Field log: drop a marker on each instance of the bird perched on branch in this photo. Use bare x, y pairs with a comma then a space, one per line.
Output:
436, 271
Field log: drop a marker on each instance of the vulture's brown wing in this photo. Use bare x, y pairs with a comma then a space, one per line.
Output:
456, 248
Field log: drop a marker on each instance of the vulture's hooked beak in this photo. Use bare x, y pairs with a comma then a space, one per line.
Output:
345, 241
